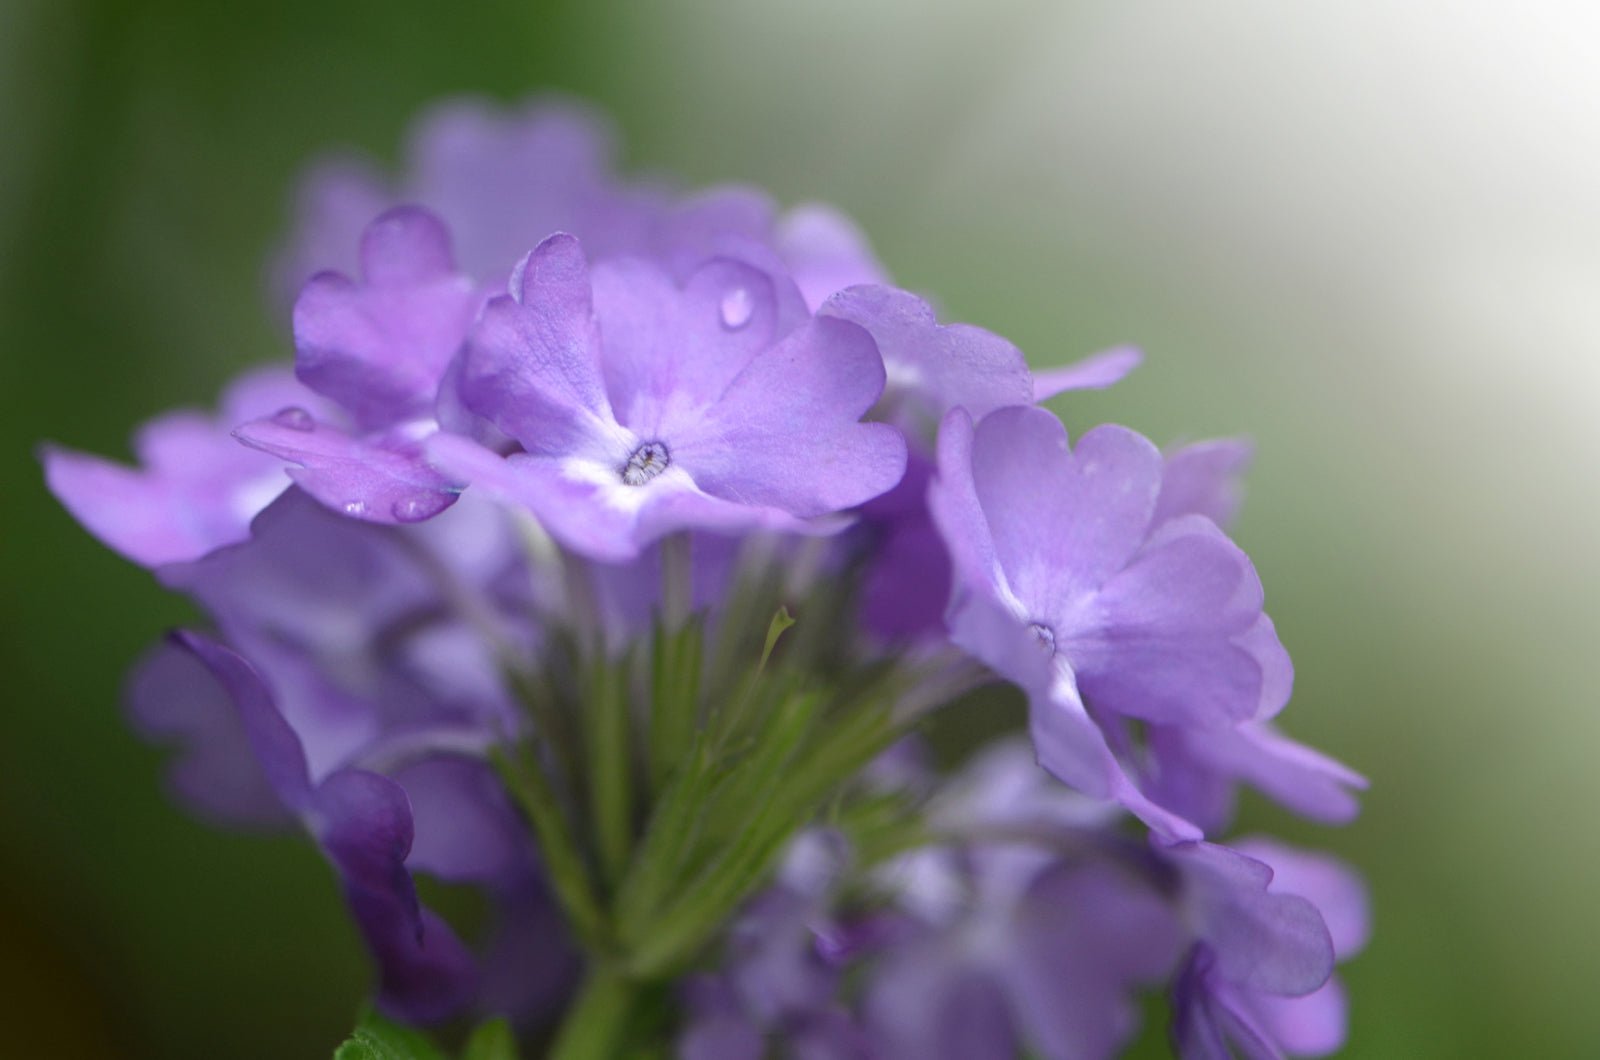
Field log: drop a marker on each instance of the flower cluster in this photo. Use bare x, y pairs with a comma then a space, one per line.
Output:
501, 578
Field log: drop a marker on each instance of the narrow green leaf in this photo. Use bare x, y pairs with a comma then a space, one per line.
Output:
562, 860
597, 1022
676, 661
491, 1041
377, 1038
610, 765
661, 851
742, 854
727, 723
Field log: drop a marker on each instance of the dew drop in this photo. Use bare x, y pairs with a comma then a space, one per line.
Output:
356, 508
295, 418
647, 461
414, 509
737, 309
1045, 636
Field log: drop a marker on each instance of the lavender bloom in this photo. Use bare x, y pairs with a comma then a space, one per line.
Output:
369, 660
364, 825
375, 647
1272, 922
933, 368
1193, 771
777, 982
501, 179
646, 407
198, 488
379, 349
1064, 585
1313, 1025
505, 178
1033, 925
557, 509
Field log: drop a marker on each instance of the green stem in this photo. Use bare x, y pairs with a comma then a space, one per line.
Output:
596, 1025
677, 581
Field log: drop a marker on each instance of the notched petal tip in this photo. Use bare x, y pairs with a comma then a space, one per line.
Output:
406, 245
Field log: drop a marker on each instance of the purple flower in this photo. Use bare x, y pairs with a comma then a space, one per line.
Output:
933, 368
776, 979
1271, 921
363, 823
378, 349
501, 178
1193, 771
1031, 925
198, 488
1065, 585
646, 406
505, 178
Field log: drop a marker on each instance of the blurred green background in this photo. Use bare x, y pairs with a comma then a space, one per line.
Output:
1366, 234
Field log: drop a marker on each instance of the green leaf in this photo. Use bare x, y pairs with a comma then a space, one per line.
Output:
491, 1041
563, 862
597, 1023
376, 1038
676, 659
610, 766
663, 849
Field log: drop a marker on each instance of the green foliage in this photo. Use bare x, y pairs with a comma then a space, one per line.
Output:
491, 1041
377, 1038
663, 781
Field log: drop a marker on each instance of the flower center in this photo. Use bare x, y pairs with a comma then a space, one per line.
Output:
647, 461
1045, 636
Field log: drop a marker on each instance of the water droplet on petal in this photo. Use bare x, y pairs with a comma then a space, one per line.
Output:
737, 308
415, 509
356, 508
295, 418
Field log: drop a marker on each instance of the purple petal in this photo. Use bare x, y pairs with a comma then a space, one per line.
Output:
957, 513
930, 1004
384, 479
1063, 521
173, 698
1273, 943
1203, 479
505, 178
275, 746
785, 432
1083, 940
825, 252
907, 582
364, 824
380, 348
671, 351
1095, 372
1169, 638
1303, 779
1074, 749
941, 366
1209, 1014
1314, 1025
337, 195
464, 828
570, 509
198, 488
533, 360
1333, 887
531, 967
